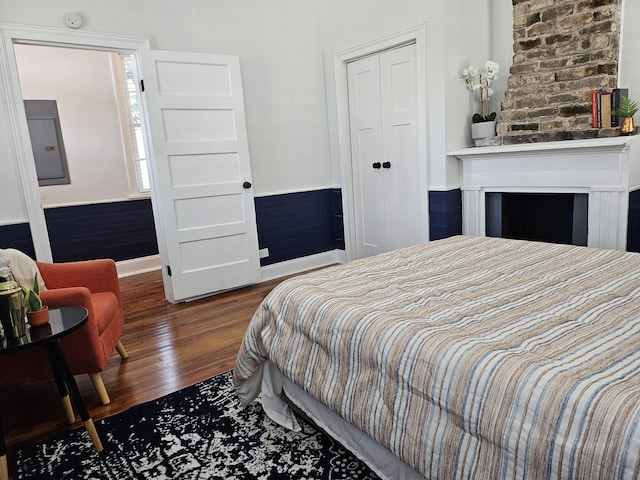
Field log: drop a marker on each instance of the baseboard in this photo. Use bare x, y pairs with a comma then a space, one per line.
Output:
303, 264
126, 268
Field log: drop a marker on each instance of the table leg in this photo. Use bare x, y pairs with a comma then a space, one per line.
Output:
64, 394
4, 469
59, 363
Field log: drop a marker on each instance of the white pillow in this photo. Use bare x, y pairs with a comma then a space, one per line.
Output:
23, 267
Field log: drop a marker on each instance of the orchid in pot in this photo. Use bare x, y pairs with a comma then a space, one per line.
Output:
479, 80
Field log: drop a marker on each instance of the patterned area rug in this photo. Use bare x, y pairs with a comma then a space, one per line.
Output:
200, 432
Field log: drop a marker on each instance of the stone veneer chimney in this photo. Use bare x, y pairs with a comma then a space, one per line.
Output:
563, 50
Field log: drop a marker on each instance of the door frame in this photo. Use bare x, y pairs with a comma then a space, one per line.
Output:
417, 35
20, 139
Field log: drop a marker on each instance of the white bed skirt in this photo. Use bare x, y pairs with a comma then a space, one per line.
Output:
273, 384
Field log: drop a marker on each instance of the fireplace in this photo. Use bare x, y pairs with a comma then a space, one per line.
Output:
602, 172
544, 217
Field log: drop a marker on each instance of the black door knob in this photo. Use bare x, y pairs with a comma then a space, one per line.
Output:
376, 165
386, 165
246, 184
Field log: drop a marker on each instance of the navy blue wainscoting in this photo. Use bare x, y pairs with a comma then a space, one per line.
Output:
117, 230
295, 225
445, 213
633, 225
17, 236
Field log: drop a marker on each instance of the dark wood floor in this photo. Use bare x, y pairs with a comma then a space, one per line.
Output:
170, 347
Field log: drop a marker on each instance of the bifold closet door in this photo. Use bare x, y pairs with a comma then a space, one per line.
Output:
384, 159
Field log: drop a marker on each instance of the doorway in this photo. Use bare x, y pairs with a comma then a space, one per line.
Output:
104, 192
384, 160
201, 186
419, 197
16, 35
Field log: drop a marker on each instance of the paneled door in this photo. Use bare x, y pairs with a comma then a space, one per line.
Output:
384, 150
201, 173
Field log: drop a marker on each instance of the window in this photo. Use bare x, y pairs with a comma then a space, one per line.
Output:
137, 166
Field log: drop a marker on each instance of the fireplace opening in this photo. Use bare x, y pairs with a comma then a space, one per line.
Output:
545, 217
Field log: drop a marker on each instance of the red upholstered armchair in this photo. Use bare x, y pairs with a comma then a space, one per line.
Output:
94, 285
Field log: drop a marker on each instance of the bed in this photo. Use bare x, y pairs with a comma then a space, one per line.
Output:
468, 357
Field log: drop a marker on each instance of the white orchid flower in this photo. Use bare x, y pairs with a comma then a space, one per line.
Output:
492, 70
478, 81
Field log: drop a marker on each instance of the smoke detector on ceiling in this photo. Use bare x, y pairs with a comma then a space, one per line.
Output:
73, 20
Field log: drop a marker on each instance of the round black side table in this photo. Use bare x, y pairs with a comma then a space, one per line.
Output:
62, 321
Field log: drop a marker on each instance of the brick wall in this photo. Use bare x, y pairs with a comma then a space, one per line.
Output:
563, 50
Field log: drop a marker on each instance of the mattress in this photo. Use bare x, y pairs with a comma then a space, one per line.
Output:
469, 357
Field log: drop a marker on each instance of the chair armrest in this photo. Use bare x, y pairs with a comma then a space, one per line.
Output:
67, 297
83, 345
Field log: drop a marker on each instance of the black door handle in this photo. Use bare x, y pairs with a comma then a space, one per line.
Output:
376, 165
386, 165
246, 184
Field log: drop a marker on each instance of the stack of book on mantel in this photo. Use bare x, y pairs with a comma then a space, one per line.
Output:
603, 102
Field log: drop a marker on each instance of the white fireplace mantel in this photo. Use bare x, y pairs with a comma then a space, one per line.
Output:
607, 169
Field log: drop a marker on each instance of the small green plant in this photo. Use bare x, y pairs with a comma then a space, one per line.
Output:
628, 108
32, 295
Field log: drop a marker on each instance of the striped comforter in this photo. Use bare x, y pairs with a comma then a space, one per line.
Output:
470, 357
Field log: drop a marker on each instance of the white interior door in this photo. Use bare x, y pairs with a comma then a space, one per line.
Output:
382, 94
201, 172
366, 154
400, 147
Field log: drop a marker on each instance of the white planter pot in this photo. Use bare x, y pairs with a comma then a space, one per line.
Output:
483, 129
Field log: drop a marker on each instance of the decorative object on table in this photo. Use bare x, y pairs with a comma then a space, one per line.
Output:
12, 307
616, 98
37, 313
477, 80
201, 431
626, 111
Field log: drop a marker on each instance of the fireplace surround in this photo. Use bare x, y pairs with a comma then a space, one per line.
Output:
606, 169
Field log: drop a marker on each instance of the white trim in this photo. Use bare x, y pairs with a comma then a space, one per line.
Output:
127, 268
600, 167
286, 192
417, 34
302, 264
5, 222
97, 202
117, 75
20, 140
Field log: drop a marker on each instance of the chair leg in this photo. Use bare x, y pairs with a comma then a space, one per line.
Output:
121, 350
4, 468
98, 384
68, 409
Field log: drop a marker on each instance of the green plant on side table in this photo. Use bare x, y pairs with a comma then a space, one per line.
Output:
626, 111
37, 314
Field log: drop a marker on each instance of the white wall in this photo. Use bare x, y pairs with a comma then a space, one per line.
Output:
501, 46
286, 50
81, 82
347, 24
629, 73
